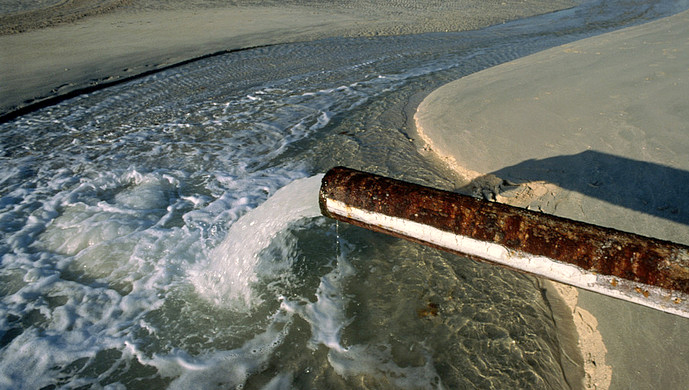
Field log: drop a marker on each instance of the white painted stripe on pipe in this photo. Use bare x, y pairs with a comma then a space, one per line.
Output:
651, 296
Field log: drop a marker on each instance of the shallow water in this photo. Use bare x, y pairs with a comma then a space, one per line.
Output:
164, 232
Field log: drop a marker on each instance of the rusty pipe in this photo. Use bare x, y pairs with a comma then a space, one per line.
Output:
635, 268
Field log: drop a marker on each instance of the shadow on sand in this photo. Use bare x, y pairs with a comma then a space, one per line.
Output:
642, 186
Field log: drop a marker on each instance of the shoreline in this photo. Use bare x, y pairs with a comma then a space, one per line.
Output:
587, 131
597, 372
47, 65
142, 36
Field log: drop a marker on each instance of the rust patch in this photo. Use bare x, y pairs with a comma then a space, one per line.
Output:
593, 248
431, 310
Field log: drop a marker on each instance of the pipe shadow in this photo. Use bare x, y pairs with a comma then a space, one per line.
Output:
642, 186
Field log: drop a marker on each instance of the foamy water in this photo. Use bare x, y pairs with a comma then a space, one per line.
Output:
165, 232
233, 266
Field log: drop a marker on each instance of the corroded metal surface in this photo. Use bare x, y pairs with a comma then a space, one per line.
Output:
619, 260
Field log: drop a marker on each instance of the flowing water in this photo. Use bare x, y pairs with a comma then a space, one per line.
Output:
165, 232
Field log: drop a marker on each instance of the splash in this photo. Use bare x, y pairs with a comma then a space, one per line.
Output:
231, 269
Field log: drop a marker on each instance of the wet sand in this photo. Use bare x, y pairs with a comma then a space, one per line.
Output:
597, 131
66, 47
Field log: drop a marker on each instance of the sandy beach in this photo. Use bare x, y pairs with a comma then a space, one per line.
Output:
59, 49
595, 131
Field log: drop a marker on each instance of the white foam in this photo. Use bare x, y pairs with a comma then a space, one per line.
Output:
377, 361
327, 317
220, 369
226, 278
83, 224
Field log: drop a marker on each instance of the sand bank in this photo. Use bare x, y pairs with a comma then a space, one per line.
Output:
598, 131
104, 41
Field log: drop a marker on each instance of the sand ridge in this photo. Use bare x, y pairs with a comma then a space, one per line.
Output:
64, 50
17, 17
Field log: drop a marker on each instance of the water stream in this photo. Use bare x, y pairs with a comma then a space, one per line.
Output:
165, 233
